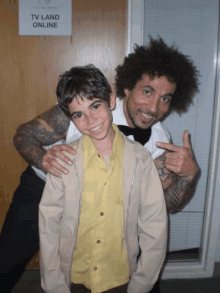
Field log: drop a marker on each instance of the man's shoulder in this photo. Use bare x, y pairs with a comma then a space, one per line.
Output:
159, 133
160, 129
118, 113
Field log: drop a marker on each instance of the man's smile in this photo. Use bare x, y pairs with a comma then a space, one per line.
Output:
147, 116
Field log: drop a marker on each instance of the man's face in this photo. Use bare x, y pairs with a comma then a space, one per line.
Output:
148, 102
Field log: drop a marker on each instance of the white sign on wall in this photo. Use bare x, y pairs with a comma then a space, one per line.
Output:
45, 17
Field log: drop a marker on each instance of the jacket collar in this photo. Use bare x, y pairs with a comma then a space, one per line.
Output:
134, 148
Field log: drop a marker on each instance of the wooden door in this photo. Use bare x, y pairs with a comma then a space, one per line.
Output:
30, 67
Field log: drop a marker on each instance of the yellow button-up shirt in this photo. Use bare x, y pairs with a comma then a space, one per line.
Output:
100, 257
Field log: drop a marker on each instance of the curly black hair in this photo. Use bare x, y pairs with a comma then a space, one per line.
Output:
158, 59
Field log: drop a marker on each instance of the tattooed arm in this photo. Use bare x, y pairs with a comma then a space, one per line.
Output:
43, 130
179, 173
178, 190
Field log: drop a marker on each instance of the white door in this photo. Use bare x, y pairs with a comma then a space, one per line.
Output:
193, 26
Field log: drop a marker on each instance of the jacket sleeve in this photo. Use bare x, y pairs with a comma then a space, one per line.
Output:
50, 216
152, 230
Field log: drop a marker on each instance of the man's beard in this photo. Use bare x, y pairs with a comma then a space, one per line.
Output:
132, 120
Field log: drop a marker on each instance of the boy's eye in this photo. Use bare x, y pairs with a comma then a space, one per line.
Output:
77, 116
96, 106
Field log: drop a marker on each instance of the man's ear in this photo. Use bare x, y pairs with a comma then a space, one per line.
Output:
112, 101
127, 92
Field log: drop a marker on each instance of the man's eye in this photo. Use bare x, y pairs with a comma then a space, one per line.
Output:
147, 93
166, 99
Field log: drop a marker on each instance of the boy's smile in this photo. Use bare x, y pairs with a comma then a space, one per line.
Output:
93, 118
97, 128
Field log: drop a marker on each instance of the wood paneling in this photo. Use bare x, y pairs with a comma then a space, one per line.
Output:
30, 67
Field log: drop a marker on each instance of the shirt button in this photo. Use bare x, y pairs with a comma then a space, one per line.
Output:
95, 268
98, 241
101, 214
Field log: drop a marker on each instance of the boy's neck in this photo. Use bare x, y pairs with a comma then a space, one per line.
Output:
105, 145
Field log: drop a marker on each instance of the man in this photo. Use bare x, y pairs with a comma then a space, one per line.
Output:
152, 82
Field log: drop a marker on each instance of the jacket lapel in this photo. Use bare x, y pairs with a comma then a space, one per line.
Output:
129, 166
79, 164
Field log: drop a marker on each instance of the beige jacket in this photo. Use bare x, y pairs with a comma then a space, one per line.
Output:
145, 220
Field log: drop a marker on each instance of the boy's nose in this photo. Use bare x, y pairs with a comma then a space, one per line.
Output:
91, 119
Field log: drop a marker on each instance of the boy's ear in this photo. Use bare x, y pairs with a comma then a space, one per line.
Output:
112, 101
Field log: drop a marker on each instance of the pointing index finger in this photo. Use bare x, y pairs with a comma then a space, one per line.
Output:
167, 146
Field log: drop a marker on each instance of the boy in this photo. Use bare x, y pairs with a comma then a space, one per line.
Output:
103, 226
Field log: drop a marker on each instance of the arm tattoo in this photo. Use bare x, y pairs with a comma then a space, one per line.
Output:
56, 119
177, 190
177, 194
44, 130
166, 176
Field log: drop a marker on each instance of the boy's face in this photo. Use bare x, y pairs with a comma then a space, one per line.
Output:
92, 117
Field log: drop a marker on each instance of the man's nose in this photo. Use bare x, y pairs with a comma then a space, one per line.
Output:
153, 104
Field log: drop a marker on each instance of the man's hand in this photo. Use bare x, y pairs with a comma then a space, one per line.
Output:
180, 160
49, 162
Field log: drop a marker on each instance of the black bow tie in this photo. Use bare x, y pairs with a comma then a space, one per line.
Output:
140, 135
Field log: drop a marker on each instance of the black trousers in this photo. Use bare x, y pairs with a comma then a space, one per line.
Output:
78, 288
156, 288
19, 240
